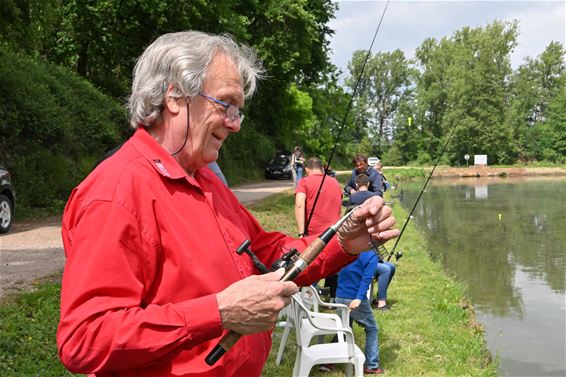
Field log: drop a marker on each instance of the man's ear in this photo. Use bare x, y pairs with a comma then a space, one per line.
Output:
172, 102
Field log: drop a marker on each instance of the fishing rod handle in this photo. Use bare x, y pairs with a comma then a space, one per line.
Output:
227, 341
306, 257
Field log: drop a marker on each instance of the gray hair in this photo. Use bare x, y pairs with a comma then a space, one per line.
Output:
181, 60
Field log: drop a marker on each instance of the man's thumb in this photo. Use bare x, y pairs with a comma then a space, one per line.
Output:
274, 276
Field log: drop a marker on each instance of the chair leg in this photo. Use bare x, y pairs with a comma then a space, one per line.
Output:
305, 367
282, 344
296, 367
359, 367
348, 369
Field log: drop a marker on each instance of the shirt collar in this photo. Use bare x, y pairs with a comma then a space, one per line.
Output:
158, 157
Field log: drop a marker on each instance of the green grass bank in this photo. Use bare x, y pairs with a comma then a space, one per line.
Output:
430, 331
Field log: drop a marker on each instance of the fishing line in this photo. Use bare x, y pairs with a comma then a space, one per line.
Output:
400, 254
359, 79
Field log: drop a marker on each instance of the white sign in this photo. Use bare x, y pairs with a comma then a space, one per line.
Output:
466, 157
480, 159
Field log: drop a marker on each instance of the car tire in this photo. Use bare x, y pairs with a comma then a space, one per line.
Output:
6, 213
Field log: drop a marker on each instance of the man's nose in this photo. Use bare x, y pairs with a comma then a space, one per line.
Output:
233, 125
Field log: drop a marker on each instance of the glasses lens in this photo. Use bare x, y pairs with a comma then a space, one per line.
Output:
232, 113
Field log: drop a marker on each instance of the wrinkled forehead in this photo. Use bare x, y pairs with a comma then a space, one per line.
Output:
223, 79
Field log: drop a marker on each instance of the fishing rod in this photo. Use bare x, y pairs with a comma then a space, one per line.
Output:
293, 263
341, 128
399, 254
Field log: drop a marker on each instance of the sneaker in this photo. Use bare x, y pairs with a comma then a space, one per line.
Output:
326, 368
374, 371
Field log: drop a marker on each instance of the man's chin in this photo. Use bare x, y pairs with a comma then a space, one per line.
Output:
211, 156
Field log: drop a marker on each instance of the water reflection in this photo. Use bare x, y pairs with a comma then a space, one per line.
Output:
505, 239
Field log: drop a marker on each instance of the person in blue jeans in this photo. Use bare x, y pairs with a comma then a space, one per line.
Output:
297, 162
353, 283
384, 271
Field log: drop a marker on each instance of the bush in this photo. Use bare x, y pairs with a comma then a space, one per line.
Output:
245, 155
54, 126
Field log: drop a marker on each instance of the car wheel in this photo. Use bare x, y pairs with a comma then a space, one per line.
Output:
6, 211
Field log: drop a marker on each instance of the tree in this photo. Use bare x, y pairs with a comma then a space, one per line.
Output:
385, 81
535, 85
463, 88
330, 102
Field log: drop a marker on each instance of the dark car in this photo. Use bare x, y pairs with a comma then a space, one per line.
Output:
279, 167
7, 200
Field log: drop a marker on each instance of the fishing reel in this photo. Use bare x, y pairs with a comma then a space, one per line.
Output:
286, 261
382, 253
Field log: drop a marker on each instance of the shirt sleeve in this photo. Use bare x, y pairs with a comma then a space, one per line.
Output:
104, 322
270, 246
351, 185
367, 275
301, 187
376, 184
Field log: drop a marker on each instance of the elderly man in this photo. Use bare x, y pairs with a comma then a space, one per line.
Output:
152, 279
361, 167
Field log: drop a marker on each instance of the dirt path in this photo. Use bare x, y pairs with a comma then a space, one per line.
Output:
33, 250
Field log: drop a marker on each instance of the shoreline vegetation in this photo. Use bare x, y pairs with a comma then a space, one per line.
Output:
497, 171
475, 171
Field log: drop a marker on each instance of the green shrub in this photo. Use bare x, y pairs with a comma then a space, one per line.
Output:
245, 154
54, 126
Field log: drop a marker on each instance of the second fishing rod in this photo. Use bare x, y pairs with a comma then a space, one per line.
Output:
399, 254
344, 119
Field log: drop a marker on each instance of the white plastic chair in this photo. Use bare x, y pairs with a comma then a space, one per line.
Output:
310, 293
345, 351
310, 298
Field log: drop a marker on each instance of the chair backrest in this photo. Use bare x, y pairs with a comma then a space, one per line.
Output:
310, 298
343, 331
311, 291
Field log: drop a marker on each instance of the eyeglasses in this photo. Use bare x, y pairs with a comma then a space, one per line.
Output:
231, 111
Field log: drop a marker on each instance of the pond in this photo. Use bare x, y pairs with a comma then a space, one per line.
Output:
505, 239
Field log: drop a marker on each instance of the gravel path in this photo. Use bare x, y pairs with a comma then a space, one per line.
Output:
33, 250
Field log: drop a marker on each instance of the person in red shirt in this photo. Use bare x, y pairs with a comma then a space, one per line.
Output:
326, 211
329, 203
152, 279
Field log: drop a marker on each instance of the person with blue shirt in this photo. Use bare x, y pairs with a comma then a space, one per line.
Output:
384, 270
353, 283
362, 167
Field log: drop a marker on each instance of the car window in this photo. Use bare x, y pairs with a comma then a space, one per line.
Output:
281, 160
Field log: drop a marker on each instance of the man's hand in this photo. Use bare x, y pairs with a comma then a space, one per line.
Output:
354, 304
253, 304
372, 219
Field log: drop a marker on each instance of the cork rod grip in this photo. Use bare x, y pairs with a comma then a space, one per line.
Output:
312, 251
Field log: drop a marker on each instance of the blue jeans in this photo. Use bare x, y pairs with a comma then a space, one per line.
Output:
384, 272
364, 316
299, 173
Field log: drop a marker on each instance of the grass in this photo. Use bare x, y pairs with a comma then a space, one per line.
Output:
28, 323
430, 331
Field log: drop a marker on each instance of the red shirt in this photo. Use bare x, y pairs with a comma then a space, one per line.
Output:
328, 206
148, 247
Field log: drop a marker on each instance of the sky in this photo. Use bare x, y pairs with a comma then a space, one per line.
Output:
407, 23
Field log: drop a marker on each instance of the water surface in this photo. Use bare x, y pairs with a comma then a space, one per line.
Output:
505, 239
